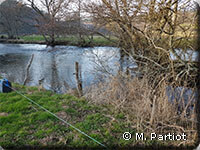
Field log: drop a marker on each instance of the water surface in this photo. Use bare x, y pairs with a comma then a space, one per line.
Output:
56, 66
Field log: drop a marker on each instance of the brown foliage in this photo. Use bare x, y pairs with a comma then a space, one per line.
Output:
146, 111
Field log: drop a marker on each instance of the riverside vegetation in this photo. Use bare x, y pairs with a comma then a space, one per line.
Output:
123, 104
74, 41
105, 113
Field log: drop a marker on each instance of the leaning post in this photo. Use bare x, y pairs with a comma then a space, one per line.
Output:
78, 80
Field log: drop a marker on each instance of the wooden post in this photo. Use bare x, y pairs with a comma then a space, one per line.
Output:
78, 80
27, 70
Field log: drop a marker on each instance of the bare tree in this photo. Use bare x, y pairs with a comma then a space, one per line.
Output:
50, 13
150, 31
10, 17
80, 28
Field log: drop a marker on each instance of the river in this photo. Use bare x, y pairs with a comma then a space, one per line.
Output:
56, 66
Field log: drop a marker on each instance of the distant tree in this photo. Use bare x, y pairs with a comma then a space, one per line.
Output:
50, 12
77, 20
10, 23
15, 18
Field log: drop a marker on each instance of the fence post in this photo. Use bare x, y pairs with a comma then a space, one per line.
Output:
27, 70
78, 80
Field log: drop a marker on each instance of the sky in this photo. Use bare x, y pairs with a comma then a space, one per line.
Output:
198, 1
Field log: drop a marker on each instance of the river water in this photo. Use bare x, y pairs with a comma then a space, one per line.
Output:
56, 66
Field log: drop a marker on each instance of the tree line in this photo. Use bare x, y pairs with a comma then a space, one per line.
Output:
49, 18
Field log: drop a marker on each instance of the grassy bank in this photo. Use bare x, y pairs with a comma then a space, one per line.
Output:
68, 40
97, 41
71, 40
23, 123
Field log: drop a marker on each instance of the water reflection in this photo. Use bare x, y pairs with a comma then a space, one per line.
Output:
55, 67
12, 65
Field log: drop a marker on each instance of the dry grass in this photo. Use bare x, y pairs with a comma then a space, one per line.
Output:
146, 111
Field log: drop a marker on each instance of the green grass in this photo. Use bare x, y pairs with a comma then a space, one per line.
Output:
71, 40
32, 38
101, 41
23, 123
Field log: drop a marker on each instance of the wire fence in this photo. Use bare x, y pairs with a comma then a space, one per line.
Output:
54, 116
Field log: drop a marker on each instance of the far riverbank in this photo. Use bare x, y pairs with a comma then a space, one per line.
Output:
64, 41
